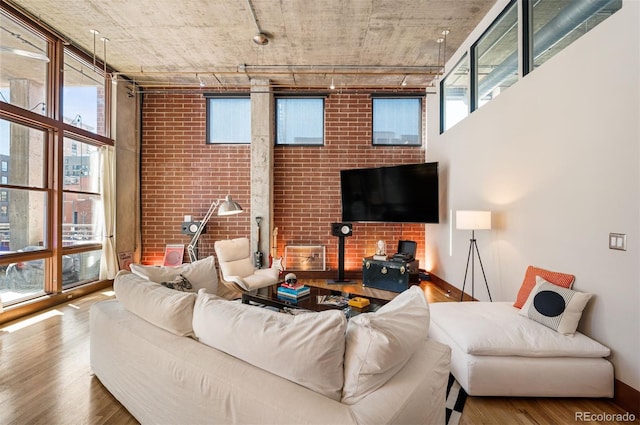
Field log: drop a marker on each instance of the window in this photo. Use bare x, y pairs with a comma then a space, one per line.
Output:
82, 221
557, 23
547, 27
299, 121
454, 94
397, 121
79, 268
229, 120
25, 65
32, 263
82, 207
495, 57
84, 95
23, 221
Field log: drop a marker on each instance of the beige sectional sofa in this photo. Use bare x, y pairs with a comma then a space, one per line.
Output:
173, 358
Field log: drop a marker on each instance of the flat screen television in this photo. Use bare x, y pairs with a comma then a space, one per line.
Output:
401, 194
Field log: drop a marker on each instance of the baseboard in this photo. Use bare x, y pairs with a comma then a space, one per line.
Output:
39, 304
325, 274
450, 290
626, 397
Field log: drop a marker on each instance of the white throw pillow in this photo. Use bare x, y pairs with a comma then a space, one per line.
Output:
307, 349
379, 344
163, 307
201, 273
555, 307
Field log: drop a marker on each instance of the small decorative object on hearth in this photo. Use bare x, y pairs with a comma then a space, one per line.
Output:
305, 257
381, 251
173, 254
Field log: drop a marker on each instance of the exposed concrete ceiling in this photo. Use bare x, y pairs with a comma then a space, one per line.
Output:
354, 43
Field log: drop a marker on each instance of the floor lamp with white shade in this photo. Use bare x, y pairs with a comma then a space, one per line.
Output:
473, 220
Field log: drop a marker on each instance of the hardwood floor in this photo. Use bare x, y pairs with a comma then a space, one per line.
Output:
45, 378
538, 411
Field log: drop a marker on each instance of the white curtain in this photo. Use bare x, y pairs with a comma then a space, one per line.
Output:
109, 260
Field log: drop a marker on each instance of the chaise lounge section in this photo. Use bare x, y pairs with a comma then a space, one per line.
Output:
497, 352
528, 348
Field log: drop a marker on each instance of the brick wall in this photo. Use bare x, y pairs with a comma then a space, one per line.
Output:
181, 175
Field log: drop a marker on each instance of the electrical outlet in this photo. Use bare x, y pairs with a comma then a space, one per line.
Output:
618, 241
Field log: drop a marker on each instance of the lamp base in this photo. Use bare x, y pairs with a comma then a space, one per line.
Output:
473, 249
338, 281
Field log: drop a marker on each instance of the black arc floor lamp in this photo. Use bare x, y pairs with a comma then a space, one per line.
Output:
473, 220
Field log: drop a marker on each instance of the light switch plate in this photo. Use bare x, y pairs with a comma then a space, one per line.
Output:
618, 241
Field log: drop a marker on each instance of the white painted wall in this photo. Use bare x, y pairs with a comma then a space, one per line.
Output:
556, 157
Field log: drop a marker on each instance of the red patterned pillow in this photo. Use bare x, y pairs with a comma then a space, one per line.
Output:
559, 279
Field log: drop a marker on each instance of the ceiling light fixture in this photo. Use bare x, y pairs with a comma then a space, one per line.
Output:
332, 86
442, 54
443, 43
404, 81
261, 38
202, 83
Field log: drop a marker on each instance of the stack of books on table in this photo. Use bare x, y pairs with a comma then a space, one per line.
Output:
293, 291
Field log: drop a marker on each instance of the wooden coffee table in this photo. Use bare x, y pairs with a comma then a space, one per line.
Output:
269, 296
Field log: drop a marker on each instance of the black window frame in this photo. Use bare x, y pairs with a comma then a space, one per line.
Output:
474, 97
321, 97
208, 98
419, 98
